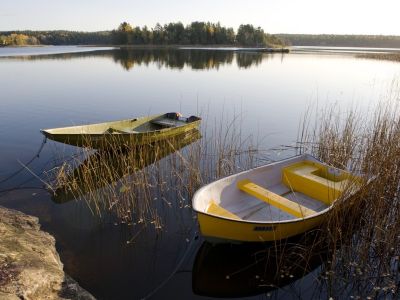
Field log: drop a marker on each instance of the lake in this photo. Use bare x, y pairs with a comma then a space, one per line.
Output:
46, 87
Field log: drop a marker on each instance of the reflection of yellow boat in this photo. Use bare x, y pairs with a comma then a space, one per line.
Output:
271, 202
112, 167
249, 269
136, 131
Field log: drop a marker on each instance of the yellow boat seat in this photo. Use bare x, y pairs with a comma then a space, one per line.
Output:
215, 209
284, 204
316, 181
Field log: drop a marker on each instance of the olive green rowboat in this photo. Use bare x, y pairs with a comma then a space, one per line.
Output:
124, 133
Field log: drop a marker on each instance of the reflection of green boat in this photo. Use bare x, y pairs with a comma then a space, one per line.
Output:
243, 270
130, 132
112, 167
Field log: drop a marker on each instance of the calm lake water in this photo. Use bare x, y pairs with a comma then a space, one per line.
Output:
52, 87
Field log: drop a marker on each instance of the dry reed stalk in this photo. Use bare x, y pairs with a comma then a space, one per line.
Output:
363, 231
138, 183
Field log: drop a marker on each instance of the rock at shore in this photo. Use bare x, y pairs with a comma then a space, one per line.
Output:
30, 267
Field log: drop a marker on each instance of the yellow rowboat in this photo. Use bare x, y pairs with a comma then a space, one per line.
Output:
271, 202
138, 131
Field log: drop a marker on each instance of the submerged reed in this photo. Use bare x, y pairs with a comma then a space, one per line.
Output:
381, 56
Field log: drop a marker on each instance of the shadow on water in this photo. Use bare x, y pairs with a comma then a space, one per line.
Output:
242, 270
196, 59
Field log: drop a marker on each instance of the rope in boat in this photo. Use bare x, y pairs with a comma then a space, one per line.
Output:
26, 164
22, 188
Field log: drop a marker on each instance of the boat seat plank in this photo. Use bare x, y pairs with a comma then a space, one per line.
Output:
309, 173
168, 122
302, 177
120, 131
275, 200
215, 209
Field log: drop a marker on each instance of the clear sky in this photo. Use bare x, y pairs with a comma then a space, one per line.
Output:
288, 16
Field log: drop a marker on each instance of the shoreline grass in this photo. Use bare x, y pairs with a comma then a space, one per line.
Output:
381, 56
363, 232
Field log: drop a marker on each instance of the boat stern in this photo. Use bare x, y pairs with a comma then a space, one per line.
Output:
46, 133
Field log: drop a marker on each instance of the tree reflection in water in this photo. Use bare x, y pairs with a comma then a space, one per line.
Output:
171, 58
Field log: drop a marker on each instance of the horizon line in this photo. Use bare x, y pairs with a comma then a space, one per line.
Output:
279, 33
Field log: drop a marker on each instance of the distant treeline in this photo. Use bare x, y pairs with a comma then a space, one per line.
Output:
57, 37
18, 39
383, 41
196, 33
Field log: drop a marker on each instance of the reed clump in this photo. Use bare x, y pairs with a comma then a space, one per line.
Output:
138, 184
381, 56
362, 231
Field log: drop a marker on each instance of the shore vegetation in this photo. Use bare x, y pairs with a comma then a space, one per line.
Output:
362, 233
381, 56
341, 40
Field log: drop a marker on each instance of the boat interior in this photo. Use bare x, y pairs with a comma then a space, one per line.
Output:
160, 123
275, 193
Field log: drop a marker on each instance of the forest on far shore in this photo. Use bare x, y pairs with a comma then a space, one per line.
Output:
196, 33
335, 40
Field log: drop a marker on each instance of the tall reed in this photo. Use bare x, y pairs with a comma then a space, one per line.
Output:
363, 231
138, 183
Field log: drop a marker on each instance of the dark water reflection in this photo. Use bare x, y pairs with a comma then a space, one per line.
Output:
242, 270
165, 58
116, 260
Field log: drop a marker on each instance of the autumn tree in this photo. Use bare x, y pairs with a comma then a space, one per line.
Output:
123, 34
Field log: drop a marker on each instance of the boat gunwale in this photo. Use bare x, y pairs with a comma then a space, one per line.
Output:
249, 222
47, 131
305, 155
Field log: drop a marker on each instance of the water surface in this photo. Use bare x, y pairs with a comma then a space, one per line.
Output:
47, 50
61, 87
